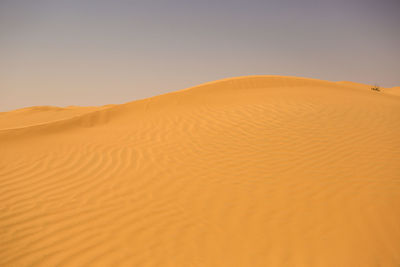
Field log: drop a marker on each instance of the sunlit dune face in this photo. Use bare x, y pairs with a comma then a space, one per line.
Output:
250, 171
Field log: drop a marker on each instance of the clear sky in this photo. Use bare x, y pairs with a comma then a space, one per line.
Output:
94, 52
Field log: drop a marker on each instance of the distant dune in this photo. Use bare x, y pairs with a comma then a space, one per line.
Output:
41, 115
248, 171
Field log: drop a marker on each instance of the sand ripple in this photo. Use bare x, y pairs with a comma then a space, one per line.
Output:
253, 171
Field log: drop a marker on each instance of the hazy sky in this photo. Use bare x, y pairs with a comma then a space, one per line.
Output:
77, 52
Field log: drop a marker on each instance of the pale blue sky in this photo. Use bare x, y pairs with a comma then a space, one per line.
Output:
77, 52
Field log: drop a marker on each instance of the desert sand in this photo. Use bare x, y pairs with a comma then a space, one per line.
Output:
248, 171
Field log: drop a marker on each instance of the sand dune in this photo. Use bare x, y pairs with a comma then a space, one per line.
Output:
248, 171
393, 91
41, 115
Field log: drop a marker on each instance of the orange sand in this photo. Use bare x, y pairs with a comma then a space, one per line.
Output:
249, 171
393, 91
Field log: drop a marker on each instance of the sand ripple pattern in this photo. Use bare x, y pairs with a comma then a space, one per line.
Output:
254, 171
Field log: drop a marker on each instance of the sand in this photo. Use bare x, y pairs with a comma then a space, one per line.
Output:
41, 115
393, 91
248, 171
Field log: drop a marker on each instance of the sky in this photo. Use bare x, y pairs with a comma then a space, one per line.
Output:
96, 52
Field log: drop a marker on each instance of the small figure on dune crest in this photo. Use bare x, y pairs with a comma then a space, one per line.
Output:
376, 88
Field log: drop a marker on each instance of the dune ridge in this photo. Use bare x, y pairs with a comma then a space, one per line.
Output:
247, 171
267, 81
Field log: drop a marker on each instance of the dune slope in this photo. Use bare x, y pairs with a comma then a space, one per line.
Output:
249, 171
393, 91
41, 115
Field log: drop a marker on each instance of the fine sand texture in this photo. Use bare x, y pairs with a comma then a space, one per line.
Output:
393, 91
248, 171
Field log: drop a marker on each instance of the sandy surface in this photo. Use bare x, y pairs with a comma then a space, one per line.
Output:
250, 171
41, 115
393, 91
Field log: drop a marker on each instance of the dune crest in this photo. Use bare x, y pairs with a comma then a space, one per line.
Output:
39, 115
247, 171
